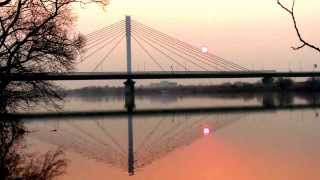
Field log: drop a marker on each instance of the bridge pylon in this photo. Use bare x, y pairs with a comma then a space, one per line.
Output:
129, 94
128, 44
129, 84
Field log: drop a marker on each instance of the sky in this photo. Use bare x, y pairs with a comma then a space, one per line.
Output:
254, 34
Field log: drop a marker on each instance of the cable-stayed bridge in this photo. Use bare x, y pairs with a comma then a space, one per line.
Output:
171, 58
165, 52
167, 56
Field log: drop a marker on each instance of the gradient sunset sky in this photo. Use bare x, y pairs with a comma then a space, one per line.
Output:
255, 34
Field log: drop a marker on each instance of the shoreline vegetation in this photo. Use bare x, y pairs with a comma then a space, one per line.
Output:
280, 85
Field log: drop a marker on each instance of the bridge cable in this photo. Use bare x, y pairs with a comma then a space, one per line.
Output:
184, 43
81, 143
181, 43
106, 29
102, 36
106, 34
191, 54
98, 32
108, 54
101, 47
185, 49
150, 134
169, 131
175, 134
102, 39
79, 147
105, 132
176, 127
148, 53
177, 49
192, 51
163, 53
168, 49
92, 137
48, 139
192, 57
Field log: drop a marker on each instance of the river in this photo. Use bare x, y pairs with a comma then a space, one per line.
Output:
231, 144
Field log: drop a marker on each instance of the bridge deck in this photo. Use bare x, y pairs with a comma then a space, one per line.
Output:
151, 75
155, 112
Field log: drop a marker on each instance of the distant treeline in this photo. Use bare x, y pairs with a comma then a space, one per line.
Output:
277, 85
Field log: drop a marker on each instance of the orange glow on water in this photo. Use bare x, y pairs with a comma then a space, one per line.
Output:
204, 50
206, 131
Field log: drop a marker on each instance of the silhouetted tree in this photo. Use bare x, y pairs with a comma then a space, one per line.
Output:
37, 36
303, 42
285, 98
268, 100
16, 164
284, 83
313, 84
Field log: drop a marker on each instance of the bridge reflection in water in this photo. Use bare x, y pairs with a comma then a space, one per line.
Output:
134, 140
148, 138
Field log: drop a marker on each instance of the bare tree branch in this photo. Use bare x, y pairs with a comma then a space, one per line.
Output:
3, 3
304, 43
38, 36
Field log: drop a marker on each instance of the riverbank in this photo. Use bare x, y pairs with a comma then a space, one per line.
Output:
279, 85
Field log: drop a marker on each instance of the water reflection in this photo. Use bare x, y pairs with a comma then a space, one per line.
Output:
286, 99
168, 98
15, 162
148, 138
133, 140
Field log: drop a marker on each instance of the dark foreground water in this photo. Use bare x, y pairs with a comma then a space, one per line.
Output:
270, 143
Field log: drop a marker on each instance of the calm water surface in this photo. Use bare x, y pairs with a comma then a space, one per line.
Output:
276, 144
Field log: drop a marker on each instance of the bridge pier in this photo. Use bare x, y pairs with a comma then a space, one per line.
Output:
129, 93
267, 82
268, 100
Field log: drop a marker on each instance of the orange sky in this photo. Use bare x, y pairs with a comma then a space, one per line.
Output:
255, 34
246, 31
